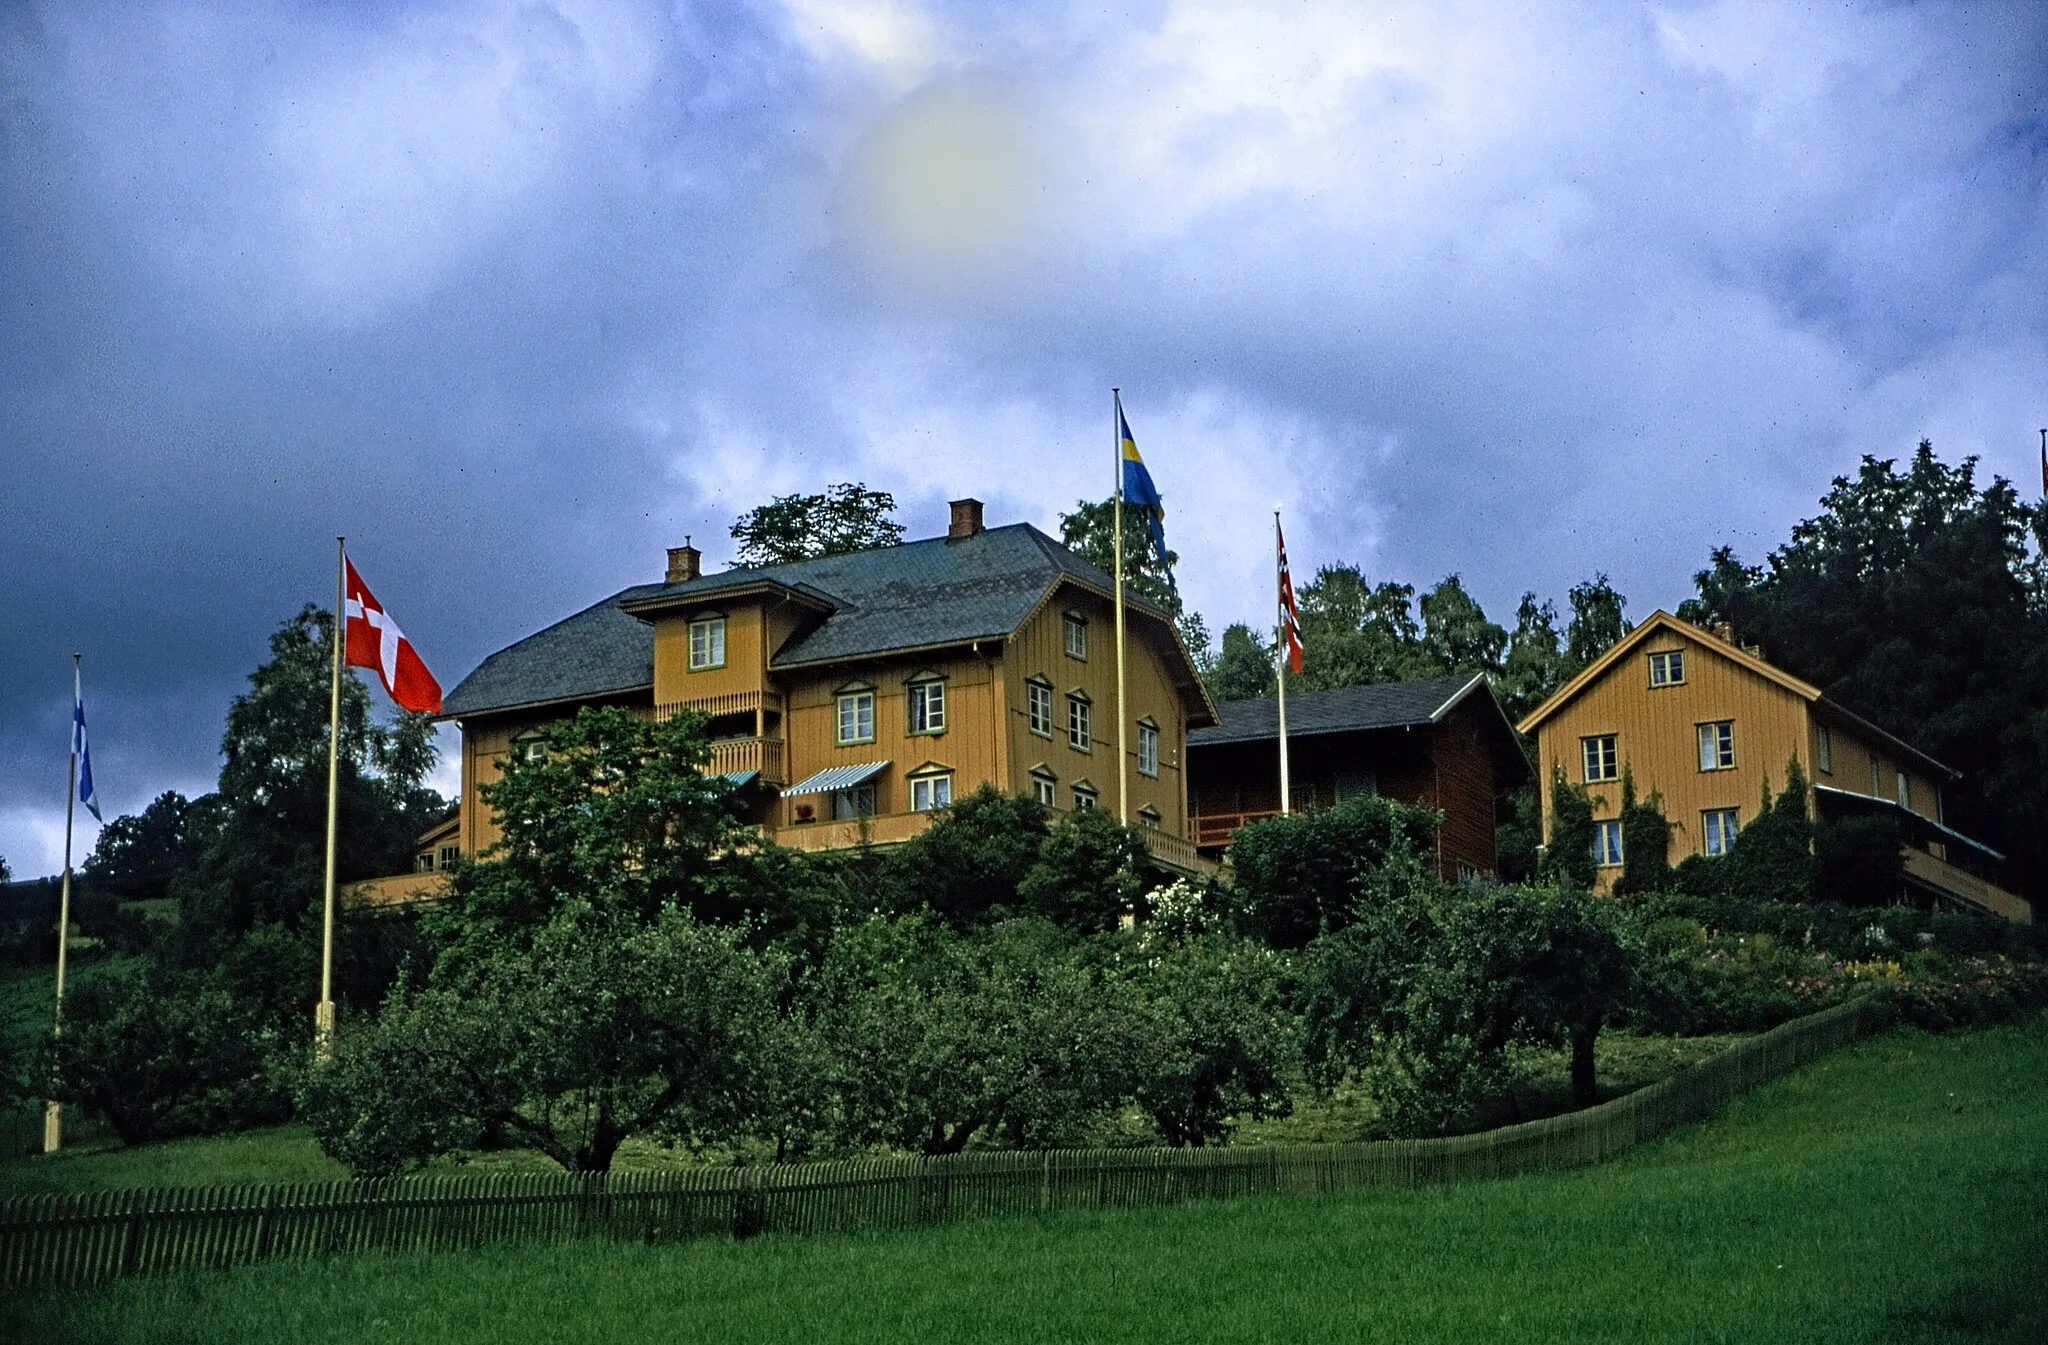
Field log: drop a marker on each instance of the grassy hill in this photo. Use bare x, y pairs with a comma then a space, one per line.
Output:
1894, 1192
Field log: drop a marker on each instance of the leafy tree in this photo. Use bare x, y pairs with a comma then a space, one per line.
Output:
967, 866
1518, 835
1226, 1037
1430, 989
260, 858
1244, 667
1354, 633
1645, 841
1913, 598
847, 517
603, 1028
138, 854
1010, 1036
1456, 636
1568, 858
1308, 874
1535, 665
1597, 623
1091, 872
1086, 533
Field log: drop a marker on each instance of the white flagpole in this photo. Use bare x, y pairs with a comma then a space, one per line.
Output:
1123, 786
53, 1110
1280, 666
323, 1013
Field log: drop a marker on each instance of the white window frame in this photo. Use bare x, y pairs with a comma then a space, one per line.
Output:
1150, 818
927, 703
447, 856
1045, 787
707, 643
1607, 844
1038, 707
856, 707
1718, 829
1075, 635
534, 748
858, 801
1080, 722
1148, 747
1905, 791
931, 791
423, 862
1086, 798
1667, 668
1599, 758
1824, 749
1717, 745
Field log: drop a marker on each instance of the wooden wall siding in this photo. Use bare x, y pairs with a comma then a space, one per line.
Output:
811, 727
1853, 754
1444, 767
485, 743
745, 654
1657, 738
1039, 650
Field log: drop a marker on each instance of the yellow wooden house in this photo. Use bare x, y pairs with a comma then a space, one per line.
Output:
851, 697
1710, 726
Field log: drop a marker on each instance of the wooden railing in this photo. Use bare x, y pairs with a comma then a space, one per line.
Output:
400, 889
1966, 887
1217, 828
83, 1238
1177, 852
881, 829
731, 703
729, 756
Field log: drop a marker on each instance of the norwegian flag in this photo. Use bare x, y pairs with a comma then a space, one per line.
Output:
1290, 615
373, 640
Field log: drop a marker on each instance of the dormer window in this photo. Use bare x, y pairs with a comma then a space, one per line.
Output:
1077, 636
707, 642
928, 704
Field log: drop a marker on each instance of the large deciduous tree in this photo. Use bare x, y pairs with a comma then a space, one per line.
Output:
843, 518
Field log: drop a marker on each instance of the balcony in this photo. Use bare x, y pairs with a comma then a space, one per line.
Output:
1177, 852
882, 829
398, 890
1214, 830
732, 703
737, 756
1945, 879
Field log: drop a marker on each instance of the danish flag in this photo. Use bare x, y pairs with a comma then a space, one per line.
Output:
1290, 615
373, 640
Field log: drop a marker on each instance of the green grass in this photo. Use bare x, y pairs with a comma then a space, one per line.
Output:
1894, 1192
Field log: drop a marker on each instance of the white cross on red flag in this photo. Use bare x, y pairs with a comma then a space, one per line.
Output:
373, 640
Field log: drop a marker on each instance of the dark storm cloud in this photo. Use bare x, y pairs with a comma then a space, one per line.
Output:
517, 294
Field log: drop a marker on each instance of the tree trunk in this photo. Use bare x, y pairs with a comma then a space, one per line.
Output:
1585, 1090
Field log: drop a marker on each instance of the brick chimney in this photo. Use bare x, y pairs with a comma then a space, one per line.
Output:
682, 563
966, 520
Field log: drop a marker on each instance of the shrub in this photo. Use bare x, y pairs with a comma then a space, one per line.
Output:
967, 866
1568, 858
1224, 1037
1091, 872
1308, 874
1645, 842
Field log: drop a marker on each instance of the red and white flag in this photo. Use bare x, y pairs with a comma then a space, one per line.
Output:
373, 640
1290, 615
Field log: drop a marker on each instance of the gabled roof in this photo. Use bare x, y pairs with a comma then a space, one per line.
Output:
920, 595
1388, 705
1662, 621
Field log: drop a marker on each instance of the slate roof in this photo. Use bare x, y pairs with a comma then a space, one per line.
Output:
914, 596
1390, 705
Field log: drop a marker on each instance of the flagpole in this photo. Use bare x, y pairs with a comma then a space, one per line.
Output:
1123, 786
1280, 667
323, 1013
53, 1110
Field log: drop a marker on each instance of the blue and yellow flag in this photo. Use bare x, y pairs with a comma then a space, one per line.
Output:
1141, 494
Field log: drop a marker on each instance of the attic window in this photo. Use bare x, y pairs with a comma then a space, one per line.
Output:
1667, 668
707, 642
1077, 636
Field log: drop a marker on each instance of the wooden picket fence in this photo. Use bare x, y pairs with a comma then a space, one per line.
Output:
73, 1239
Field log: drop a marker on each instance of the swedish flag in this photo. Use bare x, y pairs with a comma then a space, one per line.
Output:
1140, 494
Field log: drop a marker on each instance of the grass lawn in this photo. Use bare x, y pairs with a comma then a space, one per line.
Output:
1897, 1191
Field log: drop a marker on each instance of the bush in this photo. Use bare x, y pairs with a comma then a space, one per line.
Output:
1308, 874
967, 866
1568, 858
1645, 842
1091, 872
1224, 1034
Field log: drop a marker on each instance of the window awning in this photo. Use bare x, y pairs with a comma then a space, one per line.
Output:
740, 778
837, 777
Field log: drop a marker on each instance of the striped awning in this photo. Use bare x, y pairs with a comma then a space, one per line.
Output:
738, 778
837, 777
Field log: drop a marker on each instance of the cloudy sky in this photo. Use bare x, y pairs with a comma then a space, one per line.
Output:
515, 295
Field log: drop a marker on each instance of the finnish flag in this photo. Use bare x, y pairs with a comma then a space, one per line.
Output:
78, 749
